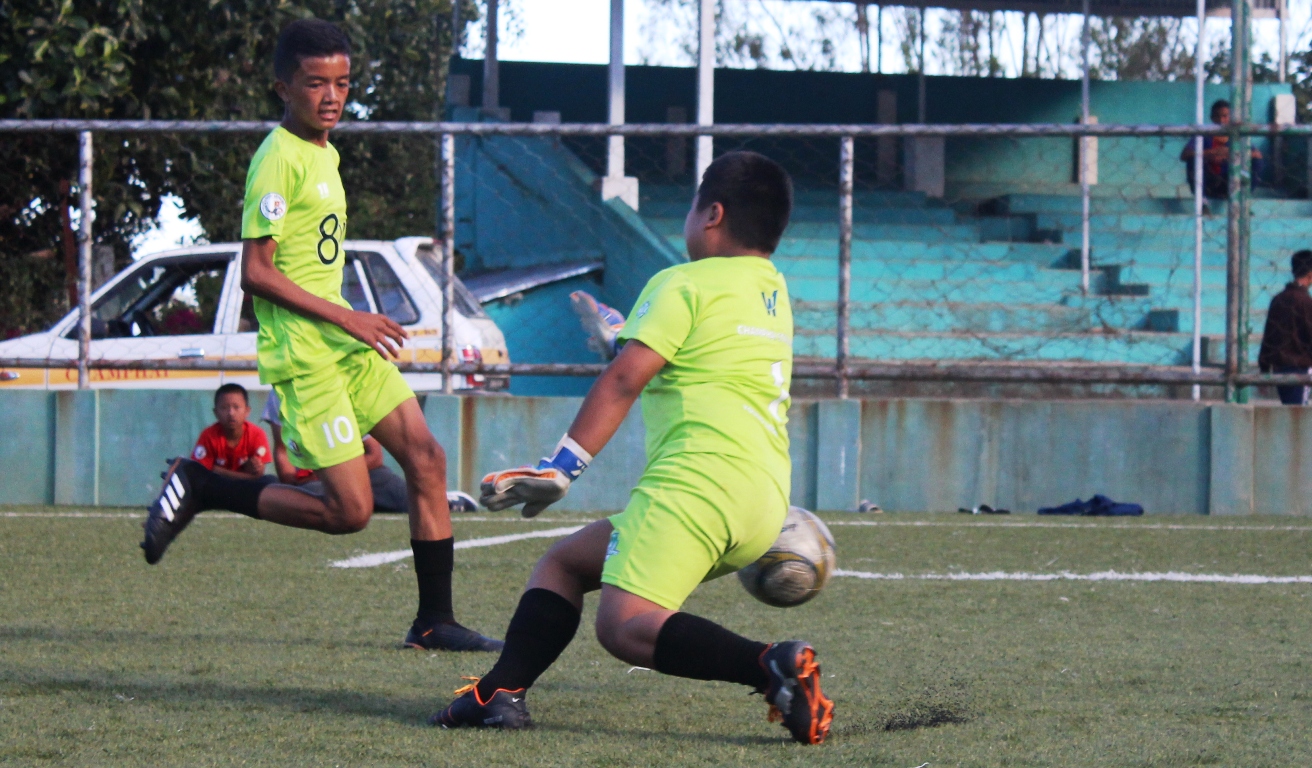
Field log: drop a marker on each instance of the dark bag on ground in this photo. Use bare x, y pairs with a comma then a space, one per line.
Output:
1098, 506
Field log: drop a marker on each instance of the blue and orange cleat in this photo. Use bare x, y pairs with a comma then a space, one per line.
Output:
794, 691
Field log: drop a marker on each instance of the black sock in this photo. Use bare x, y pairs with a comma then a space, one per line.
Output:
542, 626
690, 646
433, 563
231, 494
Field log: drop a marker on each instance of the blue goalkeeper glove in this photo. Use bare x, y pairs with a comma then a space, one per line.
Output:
602, 323
536, 487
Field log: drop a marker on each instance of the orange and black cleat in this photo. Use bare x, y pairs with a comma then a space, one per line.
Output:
448, 636
794, 691
505, 710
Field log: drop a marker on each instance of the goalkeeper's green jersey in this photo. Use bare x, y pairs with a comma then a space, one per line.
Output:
294, 195
725, 326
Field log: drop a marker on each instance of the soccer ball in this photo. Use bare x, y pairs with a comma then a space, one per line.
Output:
797, 565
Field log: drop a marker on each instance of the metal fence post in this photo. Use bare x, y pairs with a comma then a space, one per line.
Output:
448, 235
84, 243
845, 178
1237, 209
1196, 351
1083, 154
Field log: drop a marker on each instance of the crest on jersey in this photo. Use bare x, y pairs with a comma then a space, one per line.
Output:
273, 206
199, 453
771, 302
646, 305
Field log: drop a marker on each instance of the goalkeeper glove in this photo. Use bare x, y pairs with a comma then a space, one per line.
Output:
536, 487
602, 323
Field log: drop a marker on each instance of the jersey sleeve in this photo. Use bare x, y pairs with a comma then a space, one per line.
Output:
204, 451
270, 183
663, 315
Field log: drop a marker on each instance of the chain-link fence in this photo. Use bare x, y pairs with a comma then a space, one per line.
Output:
927, 253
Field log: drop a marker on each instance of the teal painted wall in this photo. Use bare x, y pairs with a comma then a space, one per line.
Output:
107, 447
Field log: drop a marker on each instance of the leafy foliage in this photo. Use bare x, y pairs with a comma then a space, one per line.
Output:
206, 60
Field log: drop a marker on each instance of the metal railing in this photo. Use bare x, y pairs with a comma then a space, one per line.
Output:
845, 368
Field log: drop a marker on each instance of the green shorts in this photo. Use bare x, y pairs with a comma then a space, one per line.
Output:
692, 518
325, 414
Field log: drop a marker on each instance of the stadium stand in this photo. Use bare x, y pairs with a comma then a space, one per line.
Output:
990, 271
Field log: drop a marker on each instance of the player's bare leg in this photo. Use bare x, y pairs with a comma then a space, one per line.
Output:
346, 505
404, 433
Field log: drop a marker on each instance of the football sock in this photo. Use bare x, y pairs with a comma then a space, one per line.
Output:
690, 646
543, 624
434, 561
240, 496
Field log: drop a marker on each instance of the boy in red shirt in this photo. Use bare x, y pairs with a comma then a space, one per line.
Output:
232, 446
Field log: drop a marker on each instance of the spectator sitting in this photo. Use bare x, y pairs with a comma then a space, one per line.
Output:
388, 487
1216, 158
232, 445
1287, 337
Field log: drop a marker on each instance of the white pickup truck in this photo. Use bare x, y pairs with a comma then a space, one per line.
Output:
187, 304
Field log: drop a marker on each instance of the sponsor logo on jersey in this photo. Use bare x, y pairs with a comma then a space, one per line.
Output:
221, 462
273, 206
259, 451
199, 453
613, 548
294, 447
646, 305
771, 302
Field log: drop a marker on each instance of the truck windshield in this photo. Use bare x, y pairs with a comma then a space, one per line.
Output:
466, 303
172, 298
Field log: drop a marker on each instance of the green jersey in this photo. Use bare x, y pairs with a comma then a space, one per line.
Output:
294, 195
725, 326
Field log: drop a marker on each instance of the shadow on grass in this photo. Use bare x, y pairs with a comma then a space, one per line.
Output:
103, 637
175, 693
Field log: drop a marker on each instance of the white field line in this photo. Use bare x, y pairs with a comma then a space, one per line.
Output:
972, 523
382, 558
965, 523
1174, 576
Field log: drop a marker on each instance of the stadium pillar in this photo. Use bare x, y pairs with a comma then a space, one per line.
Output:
491, 72
921, 108
84, 243
1200, 52
1084, 152
846, 173
705, 83
1237, 210
616, 184
1282, 66
447, 231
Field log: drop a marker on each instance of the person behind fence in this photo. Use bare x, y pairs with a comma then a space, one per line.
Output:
1216, 158
328, 363
1287, 337
389, 487
232, 446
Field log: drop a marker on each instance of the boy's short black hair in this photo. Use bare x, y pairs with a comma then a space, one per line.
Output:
307, 38
231, 389
1301, 263
1219, 105
757, 195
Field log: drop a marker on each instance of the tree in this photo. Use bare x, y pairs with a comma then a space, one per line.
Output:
206, 60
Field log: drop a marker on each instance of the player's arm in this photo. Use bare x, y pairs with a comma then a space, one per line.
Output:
373, 453
259, 277
601, 414
235, 474
613, 394
282, 465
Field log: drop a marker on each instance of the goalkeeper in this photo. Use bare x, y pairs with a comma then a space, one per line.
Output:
709, 347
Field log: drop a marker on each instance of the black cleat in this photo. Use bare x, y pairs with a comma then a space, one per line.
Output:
174, 508
506, 710
794, 691
448, 636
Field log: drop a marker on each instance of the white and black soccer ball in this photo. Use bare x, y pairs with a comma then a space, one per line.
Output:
798, 564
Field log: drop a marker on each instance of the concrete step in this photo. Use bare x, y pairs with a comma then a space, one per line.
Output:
1133, 347
940, 316
1213, 226
1031, 203
909, 269
1045, 289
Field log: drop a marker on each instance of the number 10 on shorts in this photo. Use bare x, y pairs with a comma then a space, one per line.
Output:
341, 428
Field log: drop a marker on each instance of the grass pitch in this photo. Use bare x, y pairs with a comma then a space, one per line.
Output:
244, 646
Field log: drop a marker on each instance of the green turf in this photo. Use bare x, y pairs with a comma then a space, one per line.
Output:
243, 646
